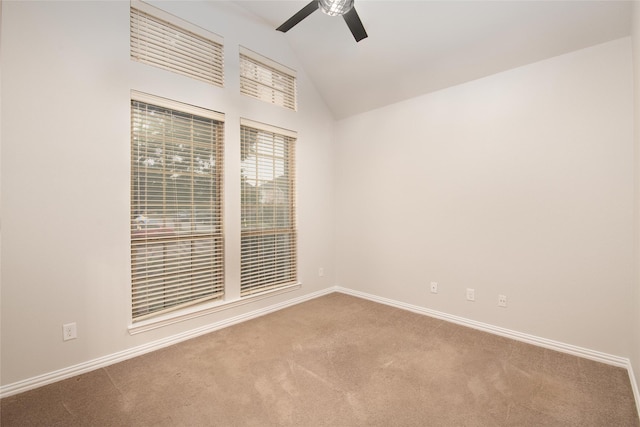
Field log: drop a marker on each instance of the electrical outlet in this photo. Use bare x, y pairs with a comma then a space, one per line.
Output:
321, 272
471, 294
434, 287
502, 300
69, 331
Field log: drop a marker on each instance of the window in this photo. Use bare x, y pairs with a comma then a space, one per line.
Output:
164, 41
267, 80
176, 205
268, 236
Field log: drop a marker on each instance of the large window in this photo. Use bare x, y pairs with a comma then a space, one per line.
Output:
176, 205
264, 79
268, 246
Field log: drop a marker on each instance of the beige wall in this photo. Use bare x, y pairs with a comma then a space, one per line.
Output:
519, 184
66, 84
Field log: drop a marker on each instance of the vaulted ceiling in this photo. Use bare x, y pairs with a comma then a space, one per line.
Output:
416, 47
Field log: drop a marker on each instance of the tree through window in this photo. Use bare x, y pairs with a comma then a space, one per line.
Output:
176, 206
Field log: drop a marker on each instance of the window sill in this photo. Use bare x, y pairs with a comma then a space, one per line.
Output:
203, 310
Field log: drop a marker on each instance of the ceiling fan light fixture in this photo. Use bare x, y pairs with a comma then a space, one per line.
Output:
332, 8
335, 7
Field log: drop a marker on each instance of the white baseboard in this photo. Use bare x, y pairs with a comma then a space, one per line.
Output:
634, 386
496, 330
81, 368
507, 333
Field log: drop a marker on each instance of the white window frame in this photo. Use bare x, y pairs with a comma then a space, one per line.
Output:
162, 40
269, 244
173, 261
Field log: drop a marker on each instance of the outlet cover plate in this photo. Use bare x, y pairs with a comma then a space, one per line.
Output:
502, 300
471, 294
69, 331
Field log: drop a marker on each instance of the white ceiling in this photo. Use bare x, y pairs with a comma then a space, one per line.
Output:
416, 47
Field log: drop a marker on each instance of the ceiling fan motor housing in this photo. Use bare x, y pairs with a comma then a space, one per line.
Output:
335, 7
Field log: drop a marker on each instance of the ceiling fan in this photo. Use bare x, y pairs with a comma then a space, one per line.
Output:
331, 8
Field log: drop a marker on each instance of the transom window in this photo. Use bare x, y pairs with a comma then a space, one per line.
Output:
168, 42
264, 79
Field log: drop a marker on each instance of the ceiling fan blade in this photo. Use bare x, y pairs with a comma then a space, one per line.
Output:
295, 19
355, 24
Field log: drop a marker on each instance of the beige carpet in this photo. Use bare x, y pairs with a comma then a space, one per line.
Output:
338, 361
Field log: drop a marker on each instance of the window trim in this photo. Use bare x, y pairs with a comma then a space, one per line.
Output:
268, 128
268, 62
177, 105
178, 311
205, 309
172, 19
215, 78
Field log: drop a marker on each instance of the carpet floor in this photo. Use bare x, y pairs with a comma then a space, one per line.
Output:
338, 360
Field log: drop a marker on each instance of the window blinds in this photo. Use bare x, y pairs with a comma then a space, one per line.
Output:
269, 235
164, 41
176, 206
267, 80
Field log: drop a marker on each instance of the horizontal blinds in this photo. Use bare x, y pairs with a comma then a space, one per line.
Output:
157, 40
269, 235
261, 78
176, 209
